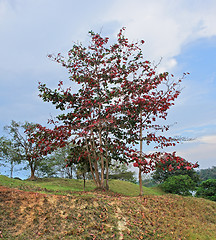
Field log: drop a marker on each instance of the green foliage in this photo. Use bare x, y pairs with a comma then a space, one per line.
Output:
54, 165
120, 171
46, 168
10, 152
207, 189
181, 184
125, 176
206, 174
162, 172
147, 181
19, 149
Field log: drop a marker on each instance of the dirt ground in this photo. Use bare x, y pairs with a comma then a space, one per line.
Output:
26, 215
31, 215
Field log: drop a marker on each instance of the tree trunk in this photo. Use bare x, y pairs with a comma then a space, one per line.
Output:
84, 182
107, 173
101, 152
33, 177
90, 164
102, 161
11, 169
140, 181
71, 173
140, 172
96, 171
92, 172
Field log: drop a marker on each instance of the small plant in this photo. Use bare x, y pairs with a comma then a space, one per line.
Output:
181, 184
207, 189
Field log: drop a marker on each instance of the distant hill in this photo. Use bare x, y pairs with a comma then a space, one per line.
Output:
58, 209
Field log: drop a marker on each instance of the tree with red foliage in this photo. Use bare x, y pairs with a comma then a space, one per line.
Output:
94, 108
172, 165
120, 97
41, 141
146, 96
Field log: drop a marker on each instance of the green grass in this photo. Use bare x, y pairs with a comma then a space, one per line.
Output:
115, 214
70, 186
131, 189
63, 185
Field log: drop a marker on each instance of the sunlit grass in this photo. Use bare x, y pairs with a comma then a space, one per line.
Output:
130, 189
61, 186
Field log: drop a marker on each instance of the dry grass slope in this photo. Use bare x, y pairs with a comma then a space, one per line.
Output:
101, 215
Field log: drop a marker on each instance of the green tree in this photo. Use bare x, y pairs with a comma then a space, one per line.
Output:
120, 171
206, 174
148, 181
19, 138
78, 158
181, 184
34, 142
9, 153
207, 189
54, 165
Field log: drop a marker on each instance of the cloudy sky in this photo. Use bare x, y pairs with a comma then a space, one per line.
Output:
182, 32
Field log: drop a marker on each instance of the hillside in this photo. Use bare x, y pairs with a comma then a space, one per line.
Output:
99, 215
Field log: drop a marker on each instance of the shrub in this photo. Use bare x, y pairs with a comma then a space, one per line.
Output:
207, 189
181, 184
162, 171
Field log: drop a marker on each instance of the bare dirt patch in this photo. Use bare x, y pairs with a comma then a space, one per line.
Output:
98, 215
32, 215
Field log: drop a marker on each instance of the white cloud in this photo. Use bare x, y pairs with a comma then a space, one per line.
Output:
204, 154
208, 140
166, 26
168, 64
201, 150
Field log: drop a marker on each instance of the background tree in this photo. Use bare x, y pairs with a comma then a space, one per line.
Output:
121, 171
54, 165
147, 180
166, 168
180, 184
18, 139
34, 141
47, 168
207, 189
9, 153
206, 174
42, 142
78, 158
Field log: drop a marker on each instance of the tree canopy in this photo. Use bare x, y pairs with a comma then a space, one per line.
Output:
166, 168
30, 142
120, 97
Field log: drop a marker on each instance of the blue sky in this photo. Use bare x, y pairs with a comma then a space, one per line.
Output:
182, 32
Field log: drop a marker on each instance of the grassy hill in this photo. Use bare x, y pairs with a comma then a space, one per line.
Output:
72, 186
59, 209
